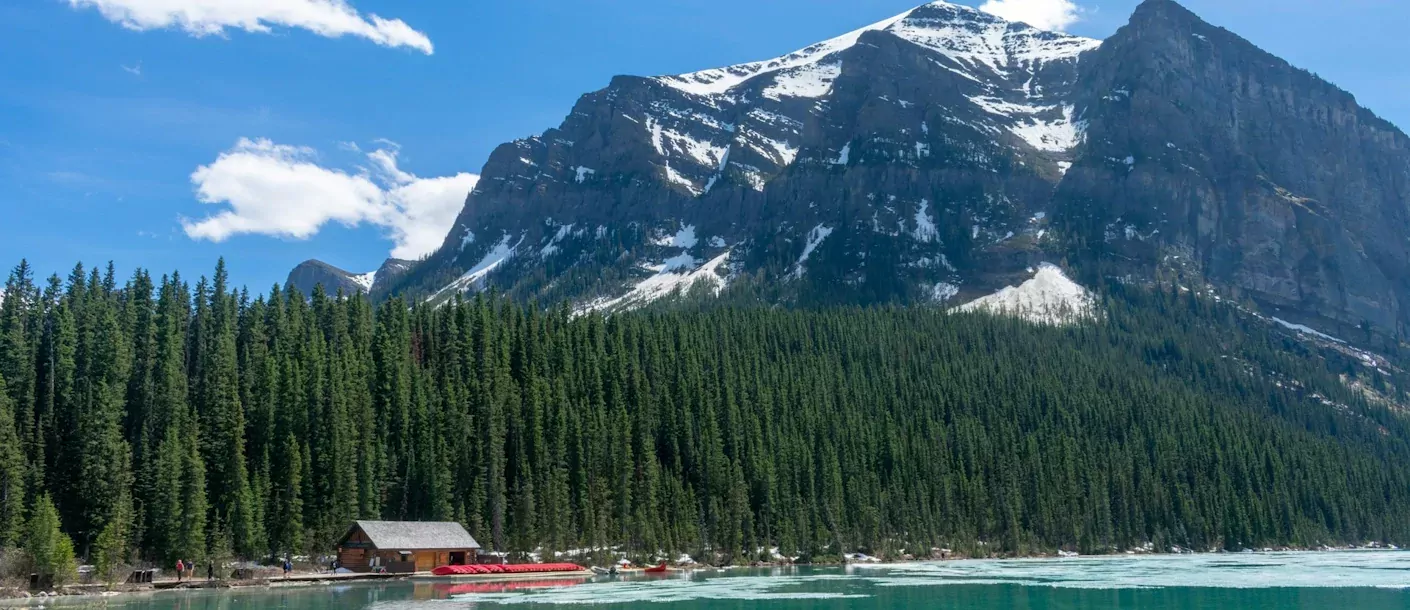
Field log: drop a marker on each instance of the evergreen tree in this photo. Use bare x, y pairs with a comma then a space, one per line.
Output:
12, 474
111, 548
20, 329
286, 532
223, 422
50, 551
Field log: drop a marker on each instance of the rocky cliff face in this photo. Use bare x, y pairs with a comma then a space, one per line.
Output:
941, 154
1271, 182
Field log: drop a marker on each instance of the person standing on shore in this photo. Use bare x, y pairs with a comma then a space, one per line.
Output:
210, 570
180, 567
288, 567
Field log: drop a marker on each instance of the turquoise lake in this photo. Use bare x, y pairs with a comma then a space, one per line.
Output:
1370, 580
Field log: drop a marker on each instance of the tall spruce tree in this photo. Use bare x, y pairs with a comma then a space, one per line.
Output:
102, 488
12, 474
21, 325
223, 422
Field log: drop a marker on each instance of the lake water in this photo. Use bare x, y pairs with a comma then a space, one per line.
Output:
1362, 580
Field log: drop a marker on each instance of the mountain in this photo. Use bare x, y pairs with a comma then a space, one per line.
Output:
911, 160
942, 155
312, 273
1269, 182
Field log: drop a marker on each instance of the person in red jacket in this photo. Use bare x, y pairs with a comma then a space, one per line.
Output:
180, 568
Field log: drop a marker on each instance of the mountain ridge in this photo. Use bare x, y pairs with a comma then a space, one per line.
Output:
940, 155
692, 146
312, 273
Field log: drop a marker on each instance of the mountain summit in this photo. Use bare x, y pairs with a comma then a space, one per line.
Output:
911, 160
313, 273
941, 155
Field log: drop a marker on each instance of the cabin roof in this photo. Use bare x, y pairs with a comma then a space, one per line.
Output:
414, 535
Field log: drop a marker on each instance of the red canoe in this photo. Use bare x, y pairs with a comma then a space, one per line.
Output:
661, 569
524, 568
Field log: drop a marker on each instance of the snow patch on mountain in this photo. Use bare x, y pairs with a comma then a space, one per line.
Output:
721, 80
1306, 330
969, 38
753, 176
781, 152
365, 280
843, 155
552, 247
1036, 124
925, 230
996, 106
1060, 135
815, 238
653, 127
497, 255
678, 178
974, 39
682, 261
775, 119
703, 152
1048, 298
684, 238
804, 81
667, 281
943, 291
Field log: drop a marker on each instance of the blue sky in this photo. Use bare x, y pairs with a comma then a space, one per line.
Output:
348, 140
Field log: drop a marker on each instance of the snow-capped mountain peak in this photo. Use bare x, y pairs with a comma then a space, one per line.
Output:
969, 37
721, 80
929, 158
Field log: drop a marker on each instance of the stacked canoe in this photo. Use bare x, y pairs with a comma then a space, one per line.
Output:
522, 568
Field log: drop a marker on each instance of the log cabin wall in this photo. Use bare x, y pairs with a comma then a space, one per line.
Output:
358, 552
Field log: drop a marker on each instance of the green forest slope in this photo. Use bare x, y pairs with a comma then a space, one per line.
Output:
166, 420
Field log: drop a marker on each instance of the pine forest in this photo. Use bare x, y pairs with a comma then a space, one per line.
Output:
154, 418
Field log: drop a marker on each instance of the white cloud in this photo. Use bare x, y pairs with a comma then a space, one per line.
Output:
426, 208
331, 18
133, 70
282, 191
1054, 15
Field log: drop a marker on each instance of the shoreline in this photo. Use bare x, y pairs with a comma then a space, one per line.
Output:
16, 598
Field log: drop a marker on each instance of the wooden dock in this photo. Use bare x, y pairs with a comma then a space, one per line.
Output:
198, 583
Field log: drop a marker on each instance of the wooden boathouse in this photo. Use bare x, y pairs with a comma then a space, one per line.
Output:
403, 547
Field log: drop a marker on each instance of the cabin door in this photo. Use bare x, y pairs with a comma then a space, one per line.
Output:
457, 558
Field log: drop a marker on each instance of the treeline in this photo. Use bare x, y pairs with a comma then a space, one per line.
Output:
159, 419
